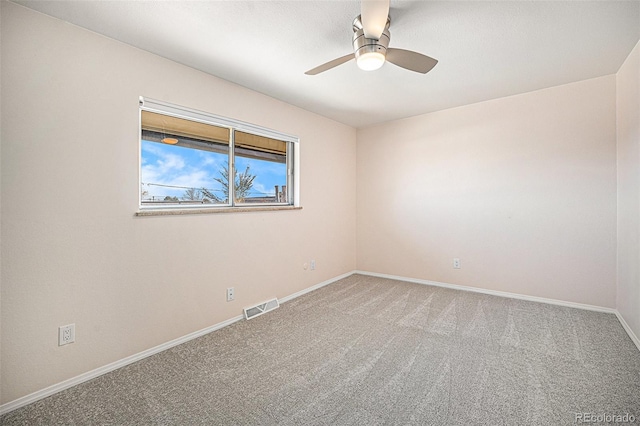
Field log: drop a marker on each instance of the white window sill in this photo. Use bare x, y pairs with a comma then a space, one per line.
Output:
212, 210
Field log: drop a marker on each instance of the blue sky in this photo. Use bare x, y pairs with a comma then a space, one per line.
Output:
186, 167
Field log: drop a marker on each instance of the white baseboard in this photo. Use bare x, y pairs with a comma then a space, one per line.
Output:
315, 287
89, 375
626, 327
493, 292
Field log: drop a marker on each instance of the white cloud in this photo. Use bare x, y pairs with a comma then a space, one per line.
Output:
167, 171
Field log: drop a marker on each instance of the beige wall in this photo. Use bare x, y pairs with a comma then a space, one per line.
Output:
521, 189
628, 124
72, 250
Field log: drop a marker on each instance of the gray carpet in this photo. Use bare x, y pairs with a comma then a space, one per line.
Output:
367, 351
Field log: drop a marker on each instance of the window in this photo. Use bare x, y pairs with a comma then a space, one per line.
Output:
188, 159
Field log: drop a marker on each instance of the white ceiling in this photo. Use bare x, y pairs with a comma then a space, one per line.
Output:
486, 49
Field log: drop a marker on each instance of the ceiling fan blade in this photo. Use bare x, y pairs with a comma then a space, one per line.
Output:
374, 17
330, 64
413, 61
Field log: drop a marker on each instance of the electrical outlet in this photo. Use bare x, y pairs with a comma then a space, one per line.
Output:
66, 334
231, 294
313, 265
456, 263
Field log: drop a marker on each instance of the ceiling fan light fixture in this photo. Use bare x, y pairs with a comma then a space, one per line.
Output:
371, 38
370, 61
370, 53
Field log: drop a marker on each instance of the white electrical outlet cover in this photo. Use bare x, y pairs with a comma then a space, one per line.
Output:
66, 334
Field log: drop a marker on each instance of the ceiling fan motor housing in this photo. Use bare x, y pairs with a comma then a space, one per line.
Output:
362, 45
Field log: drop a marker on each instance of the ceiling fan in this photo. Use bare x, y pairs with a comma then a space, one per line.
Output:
371, 40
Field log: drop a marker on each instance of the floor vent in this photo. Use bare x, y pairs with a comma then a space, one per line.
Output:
262, 308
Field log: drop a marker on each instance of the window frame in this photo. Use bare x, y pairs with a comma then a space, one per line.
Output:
292, 159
